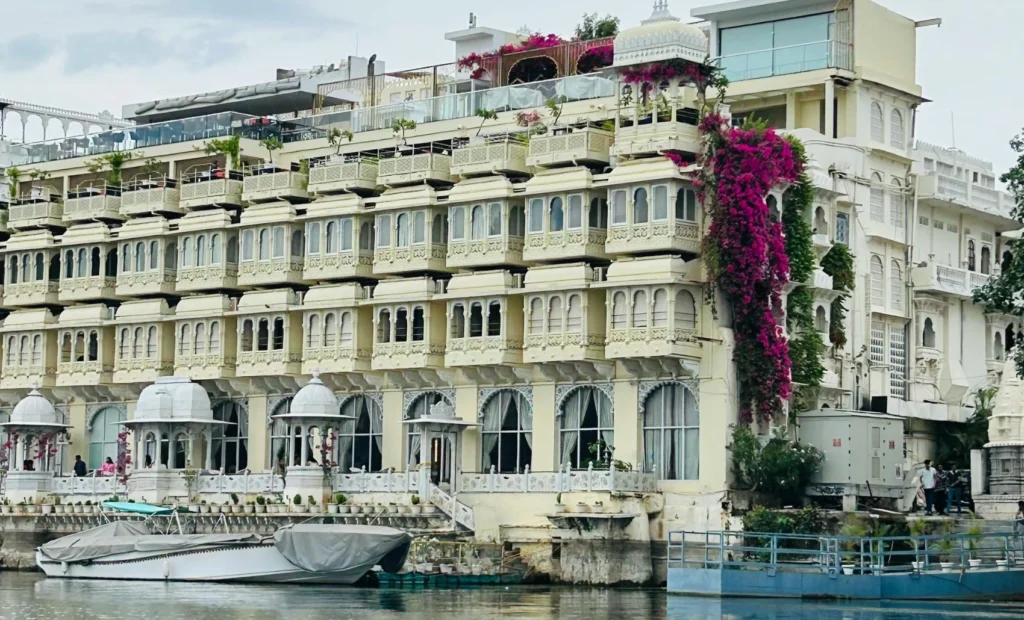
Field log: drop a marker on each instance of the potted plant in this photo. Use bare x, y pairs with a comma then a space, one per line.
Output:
415, 508
87, 507
973, 538
340, 501
332, 506
297, 503
5, 506
559, 506
79, 508
19, 508
853, 532
249, 508
485, 115
334, 137
597, 507
193, 504
313, 508
582, 507
260, 506
45, 507
429, 509
945, 549
272, 143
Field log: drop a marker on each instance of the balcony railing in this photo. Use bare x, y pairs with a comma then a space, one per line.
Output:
787, 60
566, 481
948, 280
947, 188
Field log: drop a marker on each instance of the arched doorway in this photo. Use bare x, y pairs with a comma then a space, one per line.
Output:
103, 429
672, 433
532, 70
361, 440
507, 434
586, 430
230, 445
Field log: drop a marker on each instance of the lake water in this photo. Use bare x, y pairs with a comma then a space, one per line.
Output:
27, 596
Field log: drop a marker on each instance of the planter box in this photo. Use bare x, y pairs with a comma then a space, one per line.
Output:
358, 176
409, 169
504, 155
587, 145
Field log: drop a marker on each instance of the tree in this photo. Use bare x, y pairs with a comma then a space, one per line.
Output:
13, 179
272, 143
1005, 293
334, 137
112, 163
485, 115
955, 441
554, 106
592, 27
229, 147
400, 126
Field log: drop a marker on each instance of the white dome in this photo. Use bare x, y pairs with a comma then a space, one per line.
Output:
35, 409
658, 38
315, 399
174, 398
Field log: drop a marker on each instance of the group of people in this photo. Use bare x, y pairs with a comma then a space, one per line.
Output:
943, 490
107, 469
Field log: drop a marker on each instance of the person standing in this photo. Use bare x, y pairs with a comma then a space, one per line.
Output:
956, 492
1018, 519
941, 490
80, 468
927, 476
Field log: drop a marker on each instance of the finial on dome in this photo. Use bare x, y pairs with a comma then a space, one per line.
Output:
660, 13
35, 387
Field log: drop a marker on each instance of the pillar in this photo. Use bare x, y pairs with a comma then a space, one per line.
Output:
78, 435
257, 442
791, 111
830, 115
545, 429
393, 431
626, 423
466, 407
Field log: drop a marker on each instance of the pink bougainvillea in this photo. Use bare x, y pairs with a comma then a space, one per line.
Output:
476, 62
124, 456
596, 58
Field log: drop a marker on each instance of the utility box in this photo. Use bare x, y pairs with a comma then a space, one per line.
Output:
863, 454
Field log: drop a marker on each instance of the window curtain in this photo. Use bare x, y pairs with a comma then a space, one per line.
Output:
570, 426
346, 437
525, 418
604, 416
494, 415
376, 424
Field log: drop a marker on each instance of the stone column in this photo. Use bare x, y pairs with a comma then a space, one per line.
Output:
545, 429
627, 424
393, 441
257, 441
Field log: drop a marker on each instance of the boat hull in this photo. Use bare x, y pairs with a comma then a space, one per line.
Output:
242, 564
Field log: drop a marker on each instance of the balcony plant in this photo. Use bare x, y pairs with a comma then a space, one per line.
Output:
230, 148
249, 508
559, 506
974, 534
297, 503
554, 106
311, 501
484, 116
261, 504
13, 181
271, 144
5, 506
334, 137
112, 164
593, 27
400, 126
415, 507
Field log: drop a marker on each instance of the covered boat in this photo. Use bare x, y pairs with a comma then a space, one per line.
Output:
304, 553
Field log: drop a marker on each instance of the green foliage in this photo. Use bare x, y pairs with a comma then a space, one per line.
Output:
335, 135
807, 520
271, 143
591, 27
484, 116
401, 125
955, 441
260, 500
838, 263
13, 179
297, 500
805, 344
111, 163
554, 106
780, 470
229, 147
796, 208
310, 500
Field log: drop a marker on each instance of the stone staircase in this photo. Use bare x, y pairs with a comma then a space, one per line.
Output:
459, 512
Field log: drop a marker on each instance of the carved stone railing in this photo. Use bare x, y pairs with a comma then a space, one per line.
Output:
240, 483
461, 513
89, 485
565, 481
378, 482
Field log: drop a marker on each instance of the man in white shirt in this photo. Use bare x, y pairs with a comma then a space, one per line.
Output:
927, 477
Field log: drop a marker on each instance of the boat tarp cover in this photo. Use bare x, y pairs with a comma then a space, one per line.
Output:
320, 548
135, 508
119, 537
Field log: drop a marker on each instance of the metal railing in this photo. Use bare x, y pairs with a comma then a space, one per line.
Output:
773, 552
827, 54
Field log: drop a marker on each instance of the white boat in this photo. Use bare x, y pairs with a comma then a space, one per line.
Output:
303, 553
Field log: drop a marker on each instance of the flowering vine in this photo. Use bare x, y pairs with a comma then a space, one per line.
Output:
476, 63
327, 462
124, 456
46, 446
595, 58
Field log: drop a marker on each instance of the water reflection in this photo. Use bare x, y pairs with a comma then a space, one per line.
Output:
30, 597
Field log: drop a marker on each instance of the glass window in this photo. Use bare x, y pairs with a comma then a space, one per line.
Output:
672, 433
801, 44
457, 329
537, 316
278, 334
69, 263
401, 325
477, 225
619, 206
402, 230
263, 335
619, 311
384, 326
507, 434
417, 324
313, 237
556, 217
458, 223
346, 235
366, 236
346, 329
264, 244
201, 251
685, 311
360, 439
660, 203
230, 452
330, 237
476, 320
536, 215
659, 313
278, 241
574, 315
598, 215
877, 284
640, 309
215, 249
494, 318
843, 228
640, 214
555, 314
575, 211
247, 335
419, 227
439, 229
586, 434
494, 219
330, 329
384, 231
248, 240
686, 205
103, 430
516, 221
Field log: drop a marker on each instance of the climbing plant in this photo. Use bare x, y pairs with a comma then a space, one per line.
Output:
229, 147
838, 263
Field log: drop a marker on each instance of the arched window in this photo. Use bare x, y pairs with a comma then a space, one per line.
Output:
685, 312
659, 313
1006, 261
672, 433
877, 281
402, 230
476, 320
247, 335
366, 236
23, 350
640, 309
171, 255
330, 329
458, 326
278, 341
997, 347
346, 241
38, 270
418, 409
69, 264
122, 349
83, 264
619, 206
640, 211
516, 221
686, 205
185, 340
79, 352
37, 350
555, 314
263, 335
65, 348
986, 260
180, 450
92, 350
896, 210
458, 218
494, 318
298, 243
419, 226
186, 252
537, 316
140, 257
401, 325
477, 225
877, 122
820, 223
104, 426
264, 245
970, 255
820, 320
928, 337
1010, 340
507, 434
201, 251
877, 197
586, 429
494, 219
330, 238
313, 238
14, 270
313, 331
597, 216
619, 311
151, 342
137, 343
574, 315
384, 326
361, 440
230, 452
215, 249
556, 217
575, 212
248, 243
200, 339
896, 133
95, 262
345, 339
896, 285
154, 255
12, 350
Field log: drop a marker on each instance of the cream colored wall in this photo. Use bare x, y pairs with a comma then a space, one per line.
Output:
394, 431
885, 46
259, 442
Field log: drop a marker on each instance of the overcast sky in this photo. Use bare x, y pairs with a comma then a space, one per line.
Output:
94, 55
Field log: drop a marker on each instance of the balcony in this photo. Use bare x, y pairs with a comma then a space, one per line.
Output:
568, 287
270, 182
409, 327
93, 201
208, 277
272, 246
498, 154
936, 188
572, 146
501, 250
667, 236
411, 232
485, 320
646, 134
159, 282
344, 173
40, 293
149, 196
269, 334
825, 54
337, 332
43, 210
942, 279
88, 288
339, 239
211, 188
145, 341
213, 357
83, 373
85, 346
565, 244
429, 167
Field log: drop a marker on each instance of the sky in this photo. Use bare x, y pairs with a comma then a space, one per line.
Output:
94, 55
